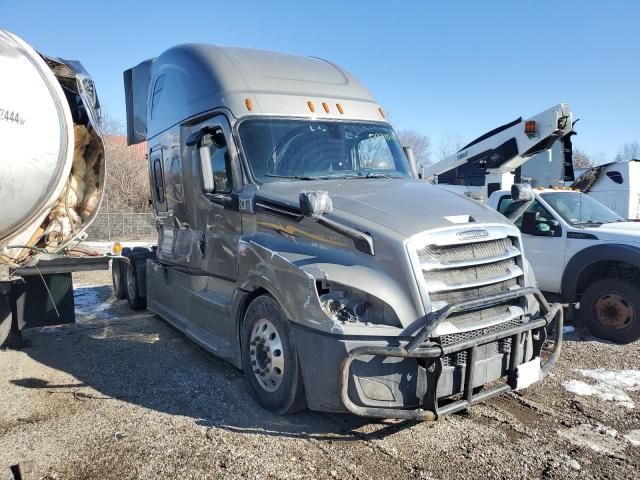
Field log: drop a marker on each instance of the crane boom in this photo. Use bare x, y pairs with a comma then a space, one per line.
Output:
504, 149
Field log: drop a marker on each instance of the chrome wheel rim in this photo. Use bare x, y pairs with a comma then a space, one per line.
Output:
266, 355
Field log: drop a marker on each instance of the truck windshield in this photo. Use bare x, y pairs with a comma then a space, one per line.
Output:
278, 149
580, 209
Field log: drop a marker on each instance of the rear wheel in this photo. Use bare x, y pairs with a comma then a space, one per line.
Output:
119, 275
118, 279
270, 358
610, 308
135, 300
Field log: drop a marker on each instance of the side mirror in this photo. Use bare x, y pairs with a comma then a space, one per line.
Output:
205, 138
413, 166
521, 192
532, 225
529, 222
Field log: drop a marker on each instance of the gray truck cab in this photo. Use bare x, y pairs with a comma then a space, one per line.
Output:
294, 242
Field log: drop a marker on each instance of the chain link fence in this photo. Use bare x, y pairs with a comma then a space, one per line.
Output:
122, 226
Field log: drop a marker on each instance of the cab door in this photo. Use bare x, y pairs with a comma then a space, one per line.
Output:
218, 217
544, 244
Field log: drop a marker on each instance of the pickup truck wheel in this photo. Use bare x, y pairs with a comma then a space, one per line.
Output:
5, 319
136, 302
270, 358
610, 308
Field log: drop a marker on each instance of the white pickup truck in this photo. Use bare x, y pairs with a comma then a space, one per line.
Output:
584, 252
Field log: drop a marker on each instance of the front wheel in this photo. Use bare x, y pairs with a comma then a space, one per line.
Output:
610, 308
270, 358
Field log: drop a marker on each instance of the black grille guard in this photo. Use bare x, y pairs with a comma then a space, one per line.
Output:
420, 347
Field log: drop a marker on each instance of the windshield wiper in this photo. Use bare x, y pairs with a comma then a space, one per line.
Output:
376, 175
368, 175
292, 177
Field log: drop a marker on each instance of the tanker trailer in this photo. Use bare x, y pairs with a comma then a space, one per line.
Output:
52, 170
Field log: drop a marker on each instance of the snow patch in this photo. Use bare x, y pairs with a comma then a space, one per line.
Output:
599, 438
610, 385
626, 379
633, 437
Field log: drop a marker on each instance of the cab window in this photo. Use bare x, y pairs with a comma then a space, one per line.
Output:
221, 165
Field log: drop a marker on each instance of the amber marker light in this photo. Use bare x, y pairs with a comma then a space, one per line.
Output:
325, 105
340, 109
381, 112
249, 103
311, 107
530, 127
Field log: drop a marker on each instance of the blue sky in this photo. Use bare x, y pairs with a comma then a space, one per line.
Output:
442, 68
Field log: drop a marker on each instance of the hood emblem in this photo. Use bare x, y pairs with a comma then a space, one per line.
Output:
471, 234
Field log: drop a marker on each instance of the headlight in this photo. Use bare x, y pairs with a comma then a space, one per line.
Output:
350, 305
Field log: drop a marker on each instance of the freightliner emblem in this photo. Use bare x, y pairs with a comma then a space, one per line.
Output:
475, 233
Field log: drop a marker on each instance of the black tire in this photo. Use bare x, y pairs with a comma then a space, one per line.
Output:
118, 278
281, 393
610, 309
5, 319
132, 285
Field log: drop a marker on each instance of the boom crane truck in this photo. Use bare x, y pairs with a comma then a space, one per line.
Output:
492, 161
52, 171
294, 242
582, 253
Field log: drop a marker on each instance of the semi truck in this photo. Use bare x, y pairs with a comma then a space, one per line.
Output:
616, 184
52, 171
294, 242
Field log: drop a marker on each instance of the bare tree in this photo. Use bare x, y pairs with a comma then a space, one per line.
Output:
628, 151
448, 145
581, 159
127, 182
419, 143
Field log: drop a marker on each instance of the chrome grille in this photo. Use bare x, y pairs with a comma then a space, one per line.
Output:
477, 251
454, 271
471, 274
455, 296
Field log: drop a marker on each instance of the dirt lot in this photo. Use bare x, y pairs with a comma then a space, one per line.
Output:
121, 395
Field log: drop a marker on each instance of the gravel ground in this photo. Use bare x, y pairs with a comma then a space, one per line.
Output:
121, 395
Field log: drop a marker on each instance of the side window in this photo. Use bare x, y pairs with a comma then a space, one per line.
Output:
221, 167
504, 203
158, 181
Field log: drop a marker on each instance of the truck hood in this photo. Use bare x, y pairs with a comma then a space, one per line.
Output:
618, 232
406, 206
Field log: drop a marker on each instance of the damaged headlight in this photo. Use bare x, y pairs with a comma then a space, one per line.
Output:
350, 305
